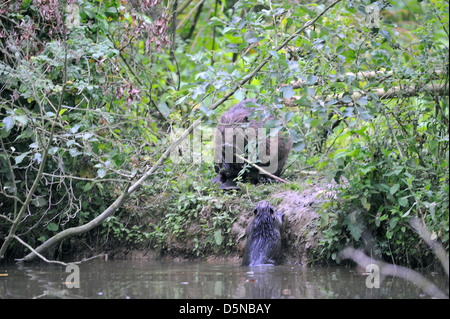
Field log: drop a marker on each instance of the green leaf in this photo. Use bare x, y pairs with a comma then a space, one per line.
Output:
111, 10
362, 101
37, 157
299, 146
288, 116
22, 119
274, 54
74, 129
403, 201
39, 202
87, 187
42, 238
8, 123
218, 237
250, 37
162, 106
73, 152
393, 222
347, 98
20, 158
101, 172
314, 122
311, 79
355, 231
88, 10
288, 92
394, 189
52, 227
53, 150
365, 204
239, 95
197, 91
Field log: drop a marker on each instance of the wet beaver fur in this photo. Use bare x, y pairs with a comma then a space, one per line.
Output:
240, 118
263, 237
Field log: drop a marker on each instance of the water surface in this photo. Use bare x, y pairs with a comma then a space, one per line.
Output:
150, 279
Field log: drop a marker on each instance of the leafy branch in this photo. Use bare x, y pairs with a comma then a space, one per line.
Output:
37, 180
135, 185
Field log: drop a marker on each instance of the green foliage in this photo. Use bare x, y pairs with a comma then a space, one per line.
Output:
196, 218
363, 94
66, 76
391, 157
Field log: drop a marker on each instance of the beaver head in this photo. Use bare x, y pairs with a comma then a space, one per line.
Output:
266, 220
263, 236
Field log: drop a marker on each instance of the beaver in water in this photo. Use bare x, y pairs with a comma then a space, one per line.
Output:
263, 237
241, 130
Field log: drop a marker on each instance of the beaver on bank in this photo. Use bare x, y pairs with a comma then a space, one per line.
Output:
238, 128
263, 237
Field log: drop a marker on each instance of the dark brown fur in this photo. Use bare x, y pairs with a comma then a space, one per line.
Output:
239, 116
263, 237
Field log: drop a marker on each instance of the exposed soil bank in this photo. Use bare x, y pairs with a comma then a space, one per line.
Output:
300, 233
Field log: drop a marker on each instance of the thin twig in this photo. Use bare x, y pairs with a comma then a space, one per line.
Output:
13, 176
274, 23
54, 261
262, 170
184, 5
189, 14
37, 254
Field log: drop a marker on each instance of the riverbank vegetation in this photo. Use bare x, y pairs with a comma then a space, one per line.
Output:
107, 108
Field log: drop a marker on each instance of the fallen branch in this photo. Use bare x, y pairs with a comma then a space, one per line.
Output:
53, 261
306, 172
382, 94
262, 170
387, 269
365, 75
437, 247
416, 278
76, 230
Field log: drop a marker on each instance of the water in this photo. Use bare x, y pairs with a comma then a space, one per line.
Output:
150, 279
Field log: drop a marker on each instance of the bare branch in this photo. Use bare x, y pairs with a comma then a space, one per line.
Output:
438, 249
366, 75
80, 229
53, 261
382, 94
387, 269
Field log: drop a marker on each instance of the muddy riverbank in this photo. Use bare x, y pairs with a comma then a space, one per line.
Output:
215, 233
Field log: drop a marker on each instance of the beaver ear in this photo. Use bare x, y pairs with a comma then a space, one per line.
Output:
255, 211
271, 210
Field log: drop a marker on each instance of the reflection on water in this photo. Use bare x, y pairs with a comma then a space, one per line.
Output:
145, 279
